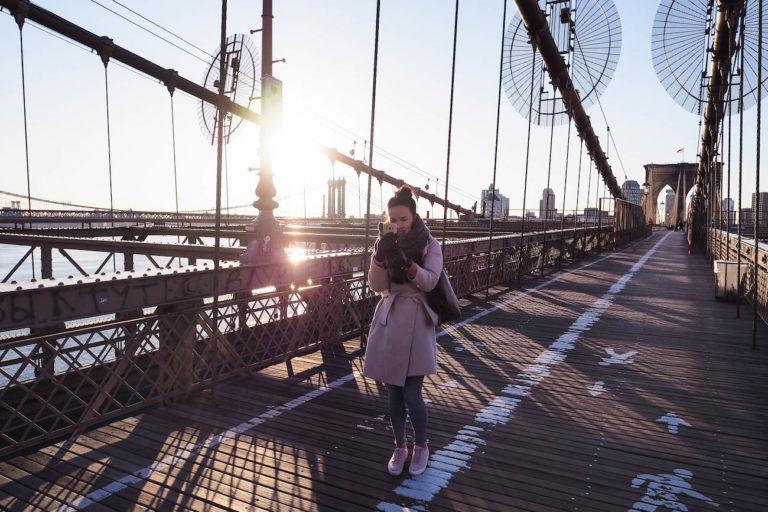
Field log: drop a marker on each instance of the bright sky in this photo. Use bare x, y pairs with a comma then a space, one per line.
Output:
327, 76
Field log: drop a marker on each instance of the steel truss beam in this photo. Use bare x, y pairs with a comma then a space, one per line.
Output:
728, 14
107, 49
52, 301
360, 166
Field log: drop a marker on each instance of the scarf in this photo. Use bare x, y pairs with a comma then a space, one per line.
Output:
413, 242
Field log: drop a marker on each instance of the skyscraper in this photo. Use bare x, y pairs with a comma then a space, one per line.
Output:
547, 208
727, 213
762, 216
493, 200
632, 191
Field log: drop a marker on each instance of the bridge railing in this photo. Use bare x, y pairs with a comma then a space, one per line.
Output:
725, 246
630, 221
74, 370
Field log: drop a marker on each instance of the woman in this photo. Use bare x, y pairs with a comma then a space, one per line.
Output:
401, 342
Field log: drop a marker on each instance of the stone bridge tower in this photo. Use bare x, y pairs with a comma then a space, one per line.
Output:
680, 177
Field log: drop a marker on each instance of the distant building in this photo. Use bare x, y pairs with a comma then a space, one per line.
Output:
493, 200
745, 216
632, 191
530, 215
547, 208
762, 219
590, 215
727, 213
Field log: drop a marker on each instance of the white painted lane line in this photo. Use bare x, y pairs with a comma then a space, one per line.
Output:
456, 455
192, 448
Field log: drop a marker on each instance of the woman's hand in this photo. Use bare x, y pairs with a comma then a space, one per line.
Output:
385, 246
399, 265
412, 270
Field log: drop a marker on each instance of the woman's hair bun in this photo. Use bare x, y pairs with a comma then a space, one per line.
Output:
403, 197
404, 192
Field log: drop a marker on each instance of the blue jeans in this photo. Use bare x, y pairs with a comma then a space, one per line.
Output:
408, 396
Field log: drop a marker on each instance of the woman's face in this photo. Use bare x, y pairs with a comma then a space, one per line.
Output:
402, 216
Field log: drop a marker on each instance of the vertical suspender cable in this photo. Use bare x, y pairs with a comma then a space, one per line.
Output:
589, 190
496, 145
717, 179
109, 144
219, 156
226, 184
565, 189
20, 22
547, 206
359, 192
175, 176
105, 55
730, 147
450, 120
578, 190
727, 255
599, 204
304, 191
370, 152
757, 217
741, 159
527, 160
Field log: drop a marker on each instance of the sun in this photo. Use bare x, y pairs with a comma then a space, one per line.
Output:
296, 152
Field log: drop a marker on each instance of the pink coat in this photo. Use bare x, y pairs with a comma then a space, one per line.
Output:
401, 340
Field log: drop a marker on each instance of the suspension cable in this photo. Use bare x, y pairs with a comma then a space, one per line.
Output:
578, 191
105, 54
527, 161
109, 144
450, 119
549, 164
589, 191
20, 22
565, 191
367, 220
496, 145
730, 146
757, 217
226, 181
173, 144
741, 159
217, 221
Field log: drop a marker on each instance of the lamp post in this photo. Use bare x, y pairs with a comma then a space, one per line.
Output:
267, 243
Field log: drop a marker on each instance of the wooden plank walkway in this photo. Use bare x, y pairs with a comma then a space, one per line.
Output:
618, 384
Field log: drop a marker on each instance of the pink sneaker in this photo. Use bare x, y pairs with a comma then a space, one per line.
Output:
419, 460
397, 461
